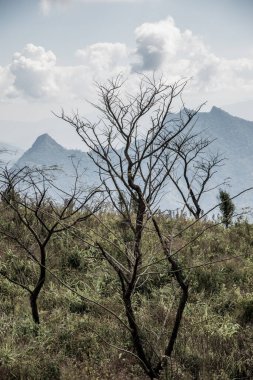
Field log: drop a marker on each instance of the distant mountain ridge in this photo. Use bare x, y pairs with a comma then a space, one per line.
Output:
233, 136
45, 151
9, 154
234, 132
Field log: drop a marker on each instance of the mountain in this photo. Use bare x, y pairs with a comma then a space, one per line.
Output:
233, 134
242, 109
233, 137
9, 154
24, 133
47, 153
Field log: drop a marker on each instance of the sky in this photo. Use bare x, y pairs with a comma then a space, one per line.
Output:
52, 51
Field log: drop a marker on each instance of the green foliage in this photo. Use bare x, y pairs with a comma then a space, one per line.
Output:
245, 307
74, 260
77, 339
227, 207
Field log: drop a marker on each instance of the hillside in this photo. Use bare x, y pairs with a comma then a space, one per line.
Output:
79, 340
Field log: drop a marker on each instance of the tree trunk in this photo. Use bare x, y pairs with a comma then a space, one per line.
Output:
38, 287
136, 339
34, 307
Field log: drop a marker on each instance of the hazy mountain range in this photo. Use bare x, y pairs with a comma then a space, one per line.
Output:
10, 153
233, 137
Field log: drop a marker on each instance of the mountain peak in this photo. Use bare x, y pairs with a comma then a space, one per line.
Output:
45, 141
218, 111
44, 136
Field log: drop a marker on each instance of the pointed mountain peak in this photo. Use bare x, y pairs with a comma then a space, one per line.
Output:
218, 111
44, 136
45, 141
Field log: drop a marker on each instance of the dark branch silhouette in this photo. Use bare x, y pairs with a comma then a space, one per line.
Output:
34, 218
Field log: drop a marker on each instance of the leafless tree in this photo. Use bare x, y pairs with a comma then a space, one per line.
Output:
136, 146
194, 169
34, 218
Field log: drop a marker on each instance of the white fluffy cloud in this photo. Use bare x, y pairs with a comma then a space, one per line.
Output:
157, 42
161, 46
33, 72
105, 57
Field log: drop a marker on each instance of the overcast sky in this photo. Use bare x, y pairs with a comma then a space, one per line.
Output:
53, 50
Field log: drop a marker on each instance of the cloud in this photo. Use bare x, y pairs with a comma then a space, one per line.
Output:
105, 57
160, 46
33, 72
155, 41
6, 81
163, 47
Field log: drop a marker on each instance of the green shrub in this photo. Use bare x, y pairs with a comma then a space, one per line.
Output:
245, 311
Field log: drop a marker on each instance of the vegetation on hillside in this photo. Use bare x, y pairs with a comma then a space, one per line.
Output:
79, 339
103, 284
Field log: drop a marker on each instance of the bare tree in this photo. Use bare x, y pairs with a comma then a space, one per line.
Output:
194, 169
135, 146
34, 218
